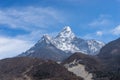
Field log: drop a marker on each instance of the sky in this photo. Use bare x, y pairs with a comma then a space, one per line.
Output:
23, 22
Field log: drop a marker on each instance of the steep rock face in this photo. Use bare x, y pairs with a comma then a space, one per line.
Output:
63, 45
24, 68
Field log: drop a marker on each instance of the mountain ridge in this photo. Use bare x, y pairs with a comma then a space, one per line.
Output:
26, 68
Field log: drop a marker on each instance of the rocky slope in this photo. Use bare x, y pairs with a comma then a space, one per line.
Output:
24, 68
83, 65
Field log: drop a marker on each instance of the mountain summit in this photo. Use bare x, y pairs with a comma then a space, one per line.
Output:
62, 46
66, 33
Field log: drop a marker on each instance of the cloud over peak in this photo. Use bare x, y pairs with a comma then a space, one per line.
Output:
99, 33
116, 30
30, 18
10, 47
102, 20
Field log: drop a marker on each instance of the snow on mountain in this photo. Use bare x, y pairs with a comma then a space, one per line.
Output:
64, 40
63, 44
68, 42
44, 49
66, 33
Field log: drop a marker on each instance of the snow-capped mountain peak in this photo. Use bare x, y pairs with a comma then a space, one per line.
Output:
64, 44
46, 38
68, 42
67, 28
66, 33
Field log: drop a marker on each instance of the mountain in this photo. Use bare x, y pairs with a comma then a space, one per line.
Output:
110, 53
44, 49
83, 65
63, 45
68, 42
110, 56
25, 68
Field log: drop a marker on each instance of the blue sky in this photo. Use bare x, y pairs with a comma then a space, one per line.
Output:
23, 22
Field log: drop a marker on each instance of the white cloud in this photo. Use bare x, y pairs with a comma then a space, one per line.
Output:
101, 21
10, 47
35, 20
116, 30
99, 33
33, 36
30, 18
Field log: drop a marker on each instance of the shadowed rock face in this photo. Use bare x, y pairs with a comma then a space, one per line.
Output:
24, 68
110, 56
112, 48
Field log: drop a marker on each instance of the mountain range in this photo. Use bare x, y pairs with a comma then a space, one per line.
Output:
103, 66
100, 62
62, 46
